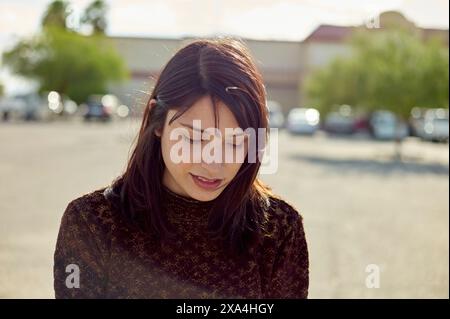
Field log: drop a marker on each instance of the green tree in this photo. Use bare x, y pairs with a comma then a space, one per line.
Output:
67, 62
337, 84
56, 14
95, 16
390, 69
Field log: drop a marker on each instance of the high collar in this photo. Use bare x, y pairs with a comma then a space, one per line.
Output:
179, 207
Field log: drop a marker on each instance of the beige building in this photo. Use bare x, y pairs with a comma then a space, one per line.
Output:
284, 64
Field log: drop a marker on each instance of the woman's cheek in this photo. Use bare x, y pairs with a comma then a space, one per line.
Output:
185, 169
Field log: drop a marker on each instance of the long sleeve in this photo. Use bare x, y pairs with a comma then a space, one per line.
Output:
290, 274
79, 267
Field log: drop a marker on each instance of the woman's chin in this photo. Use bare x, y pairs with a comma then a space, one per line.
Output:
203, 196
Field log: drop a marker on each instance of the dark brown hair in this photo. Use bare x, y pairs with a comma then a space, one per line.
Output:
224, 70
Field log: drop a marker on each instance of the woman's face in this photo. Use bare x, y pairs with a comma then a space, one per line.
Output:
204, 171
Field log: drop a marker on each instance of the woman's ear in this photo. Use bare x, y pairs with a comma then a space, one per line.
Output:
152, 103
158, 132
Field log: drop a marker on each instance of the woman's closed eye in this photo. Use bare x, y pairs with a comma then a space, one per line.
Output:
196, 141
235, 141
193, 141
231, 144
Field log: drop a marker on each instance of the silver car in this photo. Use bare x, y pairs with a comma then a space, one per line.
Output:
303, 121
435, 125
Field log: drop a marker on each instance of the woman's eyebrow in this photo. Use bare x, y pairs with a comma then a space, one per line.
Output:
242, 133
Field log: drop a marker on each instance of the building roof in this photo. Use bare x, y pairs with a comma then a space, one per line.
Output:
333, 33
329, 33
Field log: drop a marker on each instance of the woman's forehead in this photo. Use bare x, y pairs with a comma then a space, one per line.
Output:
204, 110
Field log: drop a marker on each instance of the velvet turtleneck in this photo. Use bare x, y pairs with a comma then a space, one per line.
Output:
116, 260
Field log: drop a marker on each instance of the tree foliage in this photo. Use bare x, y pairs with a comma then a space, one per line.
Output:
66, 61
392, 70
56, 14
95, 16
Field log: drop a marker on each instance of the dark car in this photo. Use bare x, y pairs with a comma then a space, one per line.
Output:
96, 109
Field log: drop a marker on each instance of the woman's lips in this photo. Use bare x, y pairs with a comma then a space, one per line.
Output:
206, 183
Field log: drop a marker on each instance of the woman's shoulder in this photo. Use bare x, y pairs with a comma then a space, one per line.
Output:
283, 216
92, 208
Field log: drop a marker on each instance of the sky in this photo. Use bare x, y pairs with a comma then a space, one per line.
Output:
256, 19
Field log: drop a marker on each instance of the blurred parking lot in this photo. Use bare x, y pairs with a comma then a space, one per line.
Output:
360, 206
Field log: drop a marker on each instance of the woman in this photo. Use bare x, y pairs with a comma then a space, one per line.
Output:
171, 228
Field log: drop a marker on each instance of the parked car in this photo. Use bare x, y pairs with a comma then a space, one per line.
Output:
11, 107
416, 121
385, 125
346, 120
303, 121
276, 117
341, 121
29, 107
361, 124
60, 105
104, 108
338, 124
435, 125
97, 108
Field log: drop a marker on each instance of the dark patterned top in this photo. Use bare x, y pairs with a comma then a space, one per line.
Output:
115, 260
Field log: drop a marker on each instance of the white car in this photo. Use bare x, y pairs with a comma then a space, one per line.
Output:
386, 126
303, 121
435, 125
11, 107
